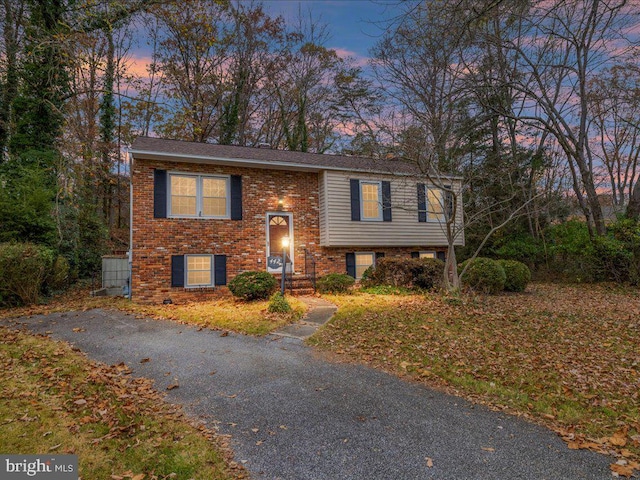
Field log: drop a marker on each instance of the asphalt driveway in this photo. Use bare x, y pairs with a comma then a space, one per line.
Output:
293, 415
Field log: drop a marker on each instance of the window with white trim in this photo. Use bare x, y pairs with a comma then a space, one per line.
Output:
427, 255
370, 200
204, 196
198, 271
363, 261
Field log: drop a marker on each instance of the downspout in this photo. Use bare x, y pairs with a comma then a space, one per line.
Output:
130, 224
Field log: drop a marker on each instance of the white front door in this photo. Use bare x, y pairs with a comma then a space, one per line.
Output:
279, 225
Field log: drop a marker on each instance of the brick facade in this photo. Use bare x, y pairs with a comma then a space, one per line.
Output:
155, 240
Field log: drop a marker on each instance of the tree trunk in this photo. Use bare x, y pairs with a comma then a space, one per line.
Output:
633, 208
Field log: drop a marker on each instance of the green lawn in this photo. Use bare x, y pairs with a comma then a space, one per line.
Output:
567, 356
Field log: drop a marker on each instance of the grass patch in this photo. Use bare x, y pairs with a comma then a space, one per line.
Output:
56, 400
250, 318
565, 355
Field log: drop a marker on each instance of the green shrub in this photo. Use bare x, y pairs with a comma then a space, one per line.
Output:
335, 283
387, 290
24, 267
517, 275
58, 277
483, 275
424, 273
278, 304
253, 285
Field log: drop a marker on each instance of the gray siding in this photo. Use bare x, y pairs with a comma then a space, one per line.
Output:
338, 230
322, 201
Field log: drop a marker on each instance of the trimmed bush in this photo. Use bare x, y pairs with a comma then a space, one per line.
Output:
24, 267
335, 283
278, 304
517, 275
483, 275
424, 273
253, 285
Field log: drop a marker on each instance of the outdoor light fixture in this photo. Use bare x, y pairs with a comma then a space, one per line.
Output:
280, 202
285, 246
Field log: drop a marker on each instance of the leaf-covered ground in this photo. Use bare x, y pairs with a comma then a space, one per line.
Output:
568, 356
55, 400
225, 313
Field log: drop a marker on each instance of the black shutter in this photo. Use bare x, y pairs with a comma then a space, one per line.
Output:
441, 256
236, 197
220, 270
448, 202
386, 201
177, 270
415, 254
422, 203
351, 264
355, 199
379, 255
159, 193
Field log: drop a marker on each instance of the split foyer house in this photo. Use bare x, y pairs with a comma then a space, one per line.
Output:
202, 213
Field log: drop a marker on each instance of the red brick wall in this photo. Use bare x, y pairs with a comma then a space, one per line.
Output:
155, 240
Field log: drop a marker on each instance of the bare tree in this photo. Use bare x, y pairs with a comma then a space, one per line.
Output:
560, 47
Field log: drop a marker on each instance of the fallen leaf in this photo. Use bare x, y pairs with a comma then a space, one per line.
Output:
429, 462
173, 386
619, 439
145, 360
140, 476
78, 329
488, 449
624, 470
255, 430
80, 401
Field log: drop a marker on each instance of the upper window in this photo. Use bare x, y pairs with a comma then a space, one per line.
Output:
199, 271
198, 196
371, 205
435, 205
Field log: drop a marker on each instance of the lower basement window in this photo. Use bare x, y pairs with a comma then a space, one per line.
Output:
199, 271
363, 261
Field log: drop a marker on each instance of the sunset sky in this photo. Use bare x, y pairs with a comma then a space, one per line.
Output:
354, 25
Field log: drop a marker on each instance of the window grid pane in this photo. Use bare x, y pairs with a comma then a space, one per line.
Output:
370, 201
197, 195
363, 261
435, 207
427, 254
214, 207
198, 270
183, 195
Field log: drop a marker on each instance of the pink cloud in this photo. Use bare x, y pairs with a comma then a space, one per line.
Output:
358, 60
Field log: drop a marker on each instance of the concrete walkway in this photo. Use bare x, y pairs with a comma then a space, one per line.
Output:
319, 312
291, 414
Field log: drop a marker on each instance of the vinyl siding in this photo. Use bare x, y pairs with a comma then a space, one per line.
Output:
338, 230
322, 201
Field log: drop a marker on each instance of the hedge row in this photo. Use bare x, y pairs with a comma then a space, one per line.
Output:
29, 270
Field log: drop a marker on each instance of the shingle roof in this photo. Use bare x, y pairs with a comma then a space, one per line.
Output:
145, 146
